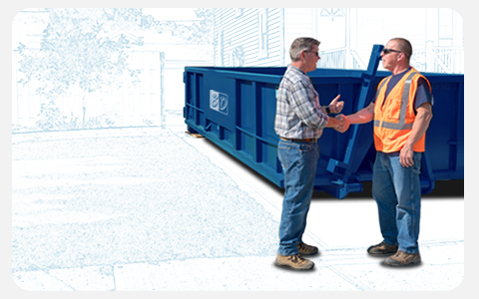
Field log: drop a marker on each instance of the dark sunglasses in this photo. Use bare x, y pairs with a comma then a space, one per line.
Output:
387, 51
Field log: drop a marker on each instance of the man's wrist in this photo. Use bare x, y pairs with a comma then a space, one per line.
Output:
328, 110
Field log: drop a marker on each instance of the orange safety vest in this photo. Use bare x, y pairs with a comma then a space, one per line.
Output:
393, 121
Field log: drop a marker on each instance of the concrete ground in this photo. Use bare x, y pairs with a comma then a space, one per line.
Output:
233, 248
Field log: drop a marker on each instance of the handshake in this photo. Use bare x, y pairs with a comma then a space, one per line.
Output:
342, 123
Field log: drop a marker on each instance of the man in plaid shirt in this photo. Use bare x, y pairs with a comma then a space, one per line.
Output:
299, 122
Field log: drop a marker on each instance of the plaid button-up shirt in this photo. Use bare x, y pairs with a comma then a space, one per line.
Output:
298, 112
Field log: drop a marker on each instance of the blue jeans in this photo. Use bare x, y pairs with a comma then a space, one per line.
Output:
299, 161
397, 191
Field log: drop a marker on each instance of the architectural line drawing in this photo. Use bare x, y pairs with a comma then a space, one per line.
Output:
108, 193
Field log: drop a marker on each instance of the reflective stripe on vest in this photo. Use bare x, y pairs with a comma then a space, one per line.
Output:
401, 125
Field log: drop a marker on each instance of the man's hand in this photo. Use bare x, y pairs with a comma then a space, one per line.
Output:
343, 123
406, 156
335, 106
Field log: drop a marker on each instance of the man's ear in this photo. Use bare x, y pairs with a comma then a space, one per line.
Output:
302, 54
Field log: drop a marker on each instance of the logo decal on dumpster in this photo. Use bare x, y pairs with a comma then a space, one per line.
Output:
219, 101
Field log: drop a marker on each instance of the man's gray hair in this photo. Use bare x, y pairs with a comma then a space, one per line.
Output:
301, 44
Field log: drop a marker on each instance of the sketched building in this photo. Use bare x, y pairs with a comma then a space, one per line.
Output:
262, 36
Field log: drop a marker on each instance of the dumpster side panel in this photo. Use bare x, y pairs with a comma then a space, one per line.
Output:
445, 136
235, 108
255, 126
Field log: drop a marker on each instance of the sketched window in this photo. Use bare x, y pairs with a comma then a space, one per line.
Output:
445, 27
263, 34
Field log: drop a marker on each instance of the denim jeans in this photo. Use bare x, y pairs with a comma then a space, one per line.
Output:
299, 161
397, 191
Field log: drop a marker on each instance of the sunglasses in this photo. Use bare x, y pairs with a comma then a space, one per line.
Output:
387, 51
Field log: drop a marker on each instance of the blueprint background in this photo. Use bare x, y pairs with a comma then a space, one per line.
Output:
37, 166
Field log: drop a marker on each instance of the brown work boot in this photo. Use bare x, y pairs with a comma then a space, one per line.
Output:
382, 249
401, 259
295, 261
306, 249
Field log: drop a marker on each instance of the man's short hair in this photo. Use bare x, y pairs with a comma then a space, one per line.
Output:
404, 46
301, 44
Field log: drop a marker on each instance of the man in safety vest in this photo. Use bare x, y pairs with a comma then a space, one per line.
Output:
401, 111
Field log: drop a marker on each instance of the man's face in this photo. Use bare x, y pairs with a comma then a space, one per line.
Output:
390, 59
311, 58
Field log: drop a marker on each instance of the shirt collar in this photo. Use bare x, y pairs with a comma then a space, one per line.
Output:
401, 74
297, 69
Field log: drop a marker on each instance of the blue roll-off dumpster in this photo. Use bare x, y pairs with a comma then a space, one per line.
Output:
235, 109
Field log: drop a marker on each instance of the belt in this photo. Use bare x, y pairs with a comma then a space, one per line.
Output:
300, 140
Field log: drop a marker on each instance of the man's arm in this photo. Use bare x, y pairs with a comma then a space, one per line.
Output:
304, 109
363, 116
419, 127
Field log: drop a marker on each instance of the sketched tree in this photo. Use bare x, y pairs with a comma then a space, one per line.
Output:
76, 51
206, 24
199, 32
